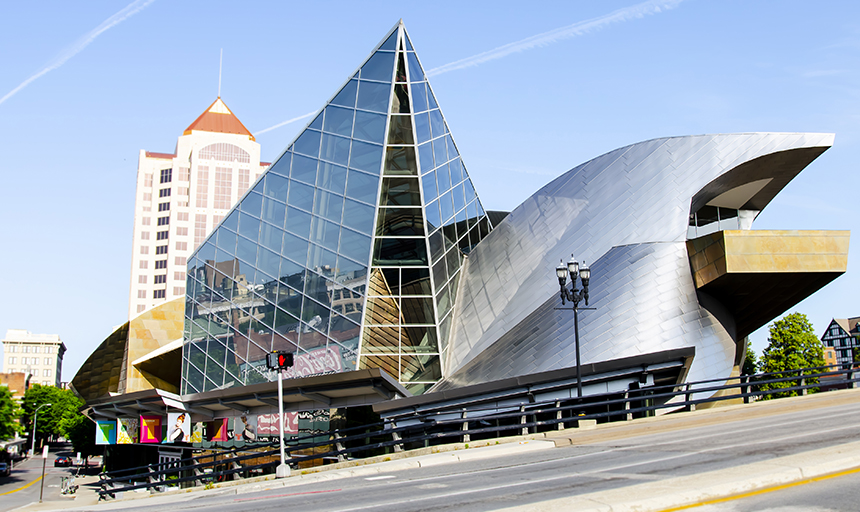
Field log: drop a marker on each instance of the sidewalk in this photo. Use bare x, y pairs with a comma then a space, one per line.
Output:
667, 493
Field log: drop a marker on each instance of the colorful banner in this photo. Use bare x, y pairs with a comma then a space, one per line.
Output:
245, 428
197, 432
267, 424
218, 430
127, 430
105, 432
150, 429
178, 428
321, 360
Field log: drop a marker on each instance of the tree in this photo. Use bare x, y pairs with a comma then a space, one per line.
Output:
9, 413
750, 365
81, 432
65, 405
792, 345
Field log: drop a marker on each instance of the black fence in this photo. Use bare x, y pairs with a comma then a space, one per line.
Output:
453, 424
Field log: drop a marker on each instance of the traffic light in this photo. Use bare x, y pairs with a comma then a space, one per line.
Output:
279, 360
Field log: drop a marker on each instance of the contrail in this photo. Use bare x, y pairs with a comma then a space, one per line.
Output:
129, 11
288, 121
577, 29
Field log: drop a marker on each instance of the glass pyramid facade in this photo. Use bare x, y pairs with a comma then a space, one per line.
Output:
347, 251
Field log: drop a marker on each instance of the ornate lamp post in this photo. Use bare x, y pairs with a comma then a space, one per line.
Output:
35, 418
575, 296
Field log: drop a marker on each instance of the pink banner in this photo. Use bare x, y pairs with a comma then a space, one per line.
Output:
217, 430
321, 360
150, 429
267, 424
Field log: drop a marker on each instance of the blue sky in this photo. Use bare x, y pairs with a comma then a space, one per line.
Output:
86, 85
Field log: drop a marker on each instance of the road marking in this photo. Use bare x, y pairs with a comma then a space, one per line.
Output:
21, 488
383, 477
765, 490
285, 495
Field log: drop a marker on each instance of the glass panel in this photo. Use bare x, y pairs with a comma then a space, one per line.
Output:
400, 74
379, 66
437, 246
352, 274
328, 205
437, 126
400, 222
276, 186
365, 157
358, 216
400, 251
381, 340
429, 182
417, 310
335, 149
392, 281
295, 248
443, 301
304, 169
246, 249
416, 74
422, 127
408, 43
400, 161
416, 281
325, 233
434, 219
400, 192
382, 311
322, 260
456, 168
450, 232
419, 97
431, 101
415, 368
459, 199
282, 166
390, 43
316, 124
400, 102
467, 185
232, 221
452, 259
290, 274
308, 143
354, 245
370, 127
298, 222
338, 120
227, 241
443, 178
249, 227
439, 151
301, 196
332, 177
346, 96
361, 186
373, 96
452, 149
271, 237
418, 340
268, 261
400, 131
425, 155
252, 204
471, 213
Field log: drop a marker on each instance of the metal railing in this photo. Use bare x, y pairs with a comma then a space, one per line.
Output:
462, 424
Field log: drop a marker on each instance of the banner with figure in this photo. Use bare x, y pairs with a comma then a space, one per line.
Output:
150, 429
245, 428
178, 428
127, 430
268, 424
105, 432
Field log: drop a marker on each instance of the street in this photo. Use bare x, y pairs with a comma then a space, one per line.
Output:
23, 485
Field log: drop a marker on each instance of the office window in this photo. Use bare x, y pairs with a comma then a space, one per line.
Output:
13, 348
158, 294
182, 191
181, 246
199, 228
182, 216
182, 231
144, 235
141, 294
244, 180
163, 221
140, 308
147, 180
12, 361
223, 187
47, 363
144, 249
202, 187
147, 208
163, 207
166, 175
178, 290
145, 221
144, 264
147, 196
180, 260
161, 264
165, 192
160, 279
161, 249
141, 279
161, 235
179, 276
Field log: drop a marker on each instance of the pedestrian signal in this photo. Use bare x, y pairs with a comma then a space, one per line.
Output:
279, 360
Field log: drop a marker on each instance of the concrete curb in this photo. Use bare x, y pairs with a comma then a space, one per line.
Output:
696, 489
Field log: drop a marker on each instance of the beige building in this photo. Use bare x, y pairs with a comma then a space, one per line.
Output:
182, 196
40, 355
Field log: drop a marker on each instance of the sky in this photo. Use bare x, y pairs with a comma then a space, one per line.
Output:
529, 90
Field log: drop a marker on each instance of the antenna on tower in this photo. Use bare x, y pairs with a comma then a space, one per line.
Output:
220, 66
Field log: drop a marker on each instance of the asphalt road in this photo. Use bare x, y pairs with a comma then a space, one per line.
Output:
532, 477
23, 485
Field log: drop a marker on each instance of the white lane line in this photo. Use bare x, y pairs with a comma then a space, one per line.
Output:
383, 477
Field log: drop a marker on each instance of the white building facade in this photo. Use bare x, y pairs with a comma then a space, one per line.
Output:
182, 196
40, 355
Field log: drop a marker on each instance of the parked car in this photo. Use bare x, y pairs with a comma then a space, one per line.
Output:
62, 461
5, 469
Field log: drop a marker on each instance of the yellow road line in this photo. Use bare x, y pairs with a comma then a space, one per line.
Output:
21, 488
764, 490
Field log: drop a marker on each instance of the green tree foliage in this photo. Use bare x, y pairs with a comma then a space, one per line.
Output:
750, 366
81, 432
792, 345
53, 420
9, 414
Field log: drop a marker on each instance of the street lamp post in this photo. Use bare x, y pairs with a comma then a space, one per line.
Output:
35, 418
575, 296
